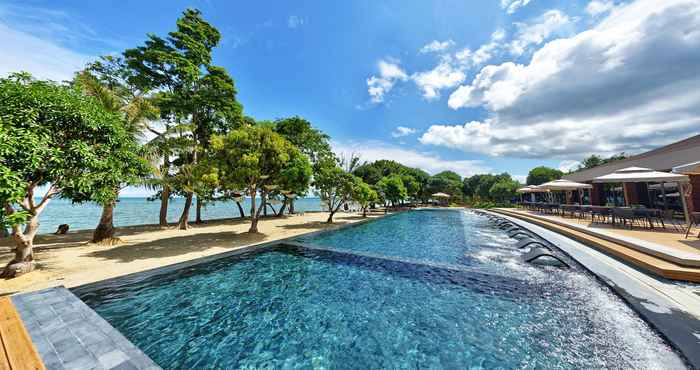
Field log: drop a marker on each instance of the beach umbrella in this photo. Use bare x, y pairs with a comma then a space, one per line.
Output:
567, 186
441, 195
641, 174
564, 185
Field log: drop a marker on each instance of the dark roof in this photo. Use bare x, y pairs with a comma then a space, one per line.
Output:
660, 159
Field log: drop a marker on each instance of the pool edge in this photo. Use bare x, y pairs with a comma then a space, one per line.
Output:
679, 328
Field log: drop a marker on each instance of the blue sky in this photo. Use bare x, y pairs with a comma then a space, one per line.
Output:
470, 86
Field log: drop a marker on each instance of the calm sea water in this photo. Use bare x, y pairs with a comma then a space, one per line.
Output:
364, 305
140, 211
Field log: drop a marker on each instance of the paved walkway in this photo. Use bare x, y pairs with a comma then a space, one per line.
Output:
70, 335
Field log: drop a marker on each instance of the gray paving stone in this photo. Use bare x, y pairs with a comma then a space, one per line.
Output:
70, 335
82, 363
126, 365
112, 359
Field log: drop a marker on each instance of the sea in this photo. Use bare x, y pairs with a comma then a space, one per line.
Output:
140, 211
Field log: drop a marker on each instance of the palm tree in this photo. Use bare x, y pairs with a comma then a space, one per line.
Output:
106, 81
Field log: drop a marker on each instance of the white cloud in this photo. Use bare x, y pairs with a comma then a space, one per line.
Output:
401, 131
43, 58
628, 84
295, 21
511, 6
537, 32
597, 7
430, 162
568, 165
444, 75
389, 72
436, 46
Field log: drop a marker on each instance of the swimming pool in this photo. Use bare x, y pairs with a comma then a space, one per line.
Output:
422, 289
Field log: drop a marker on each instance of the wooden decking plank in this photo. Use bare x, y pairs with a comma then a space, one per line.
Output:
19, 349
4, 361
647, 262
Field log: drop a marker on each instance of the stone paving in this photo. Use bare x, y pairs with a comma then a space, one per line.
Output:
70, 335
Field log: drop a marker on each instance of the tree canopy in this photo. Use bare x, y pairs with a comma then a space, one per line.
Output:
55, 135
256, 160
542, 174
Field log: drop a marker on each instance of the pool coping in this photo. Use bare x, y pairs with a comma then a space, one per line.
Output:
161, 270
678, 327
68, 334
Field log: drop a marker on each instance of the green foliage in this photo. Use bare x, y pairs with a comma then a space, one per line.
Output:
312, 142
504, 190
446, 182
542, 174
392, 188
363, 193
55, 134
251, 158
333, 184
415, 180
596, 160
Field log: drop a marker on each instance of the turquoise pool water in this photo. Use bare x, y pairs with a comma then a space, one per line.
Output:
382, 295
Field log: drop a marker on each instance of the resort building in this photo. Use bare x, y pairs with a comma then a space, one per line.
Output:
680, 157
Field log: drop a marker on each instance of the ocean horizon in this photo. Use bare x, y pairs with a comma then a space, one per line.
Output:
133, 210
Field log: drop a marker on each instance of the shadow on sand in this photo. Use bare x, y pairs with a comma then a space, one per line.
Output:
175, 246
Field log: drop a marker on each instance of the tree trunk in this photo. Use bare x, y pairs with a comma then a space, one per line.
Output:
330, 217
198, 220
240, 210
364, 211
164, 199
104, 232
291, 206
253, 213
282, 208
23, 262
183, 223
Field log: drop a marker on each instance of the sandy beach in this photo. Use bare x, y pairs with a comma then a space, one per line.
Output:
70, 260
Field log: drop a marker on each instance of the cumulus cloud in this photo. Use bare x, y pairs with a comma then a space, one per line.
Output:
537, 32
401, 131
597, 7
445, 75
436, 46
568, 165
627, 84
389, 72
430, 162
511, 6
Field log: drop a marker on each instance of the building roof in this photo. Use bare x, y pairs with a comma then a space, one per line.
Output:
660, 159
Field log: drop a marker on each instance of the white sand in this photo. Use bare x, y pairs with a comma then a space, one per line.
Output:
70, 261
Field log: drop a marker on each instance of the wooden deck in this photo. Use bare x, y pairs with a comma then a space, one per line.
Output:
16, 349
644, 261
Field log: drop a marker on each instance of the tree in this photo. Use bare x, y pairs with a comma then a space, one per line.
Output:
311, 142
504, 190
392, 189
446, 182
364, 195
56, 136
192, 91
106, 80
333, 184
596, 160
255, 159
542, 174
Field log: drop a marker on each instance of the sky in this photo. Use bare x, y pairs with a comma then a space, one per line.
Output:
469, 86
